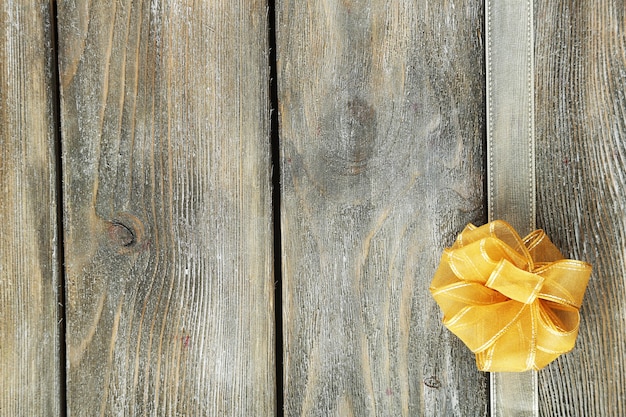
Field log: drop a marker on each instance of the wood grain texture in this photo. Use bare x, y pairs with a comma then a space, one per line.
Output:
382, 121
168, 220
30, 381
581, 165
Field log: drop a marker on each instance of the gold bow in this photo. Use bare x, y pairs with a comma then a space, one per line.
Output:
514, 302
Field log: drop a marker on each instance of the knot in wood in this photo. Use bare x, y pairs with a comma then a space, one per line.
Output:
358, 135
348, 137
121, 234
125, 231
432, 382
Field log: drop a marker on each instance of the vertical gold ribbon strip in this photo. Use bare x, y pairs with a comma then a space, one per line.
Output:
511, 158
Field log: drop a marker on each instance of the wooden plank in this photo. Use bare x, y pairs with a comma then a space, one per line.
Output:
382, 117
30, 377
168, 218
581, 161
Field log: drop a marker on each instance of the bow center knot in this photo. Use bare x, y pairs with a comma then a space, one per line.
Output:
515, 283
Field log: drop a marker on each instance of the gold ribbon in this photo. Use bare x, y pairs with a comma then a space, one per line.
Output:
514, 302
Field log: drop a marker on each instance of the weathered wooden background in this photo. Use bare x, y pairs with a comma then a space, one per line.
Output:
139, 235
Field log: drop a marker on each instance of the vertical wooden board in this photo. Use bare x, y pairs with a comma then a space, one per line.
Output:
382, 121
581, 166
168, 220
30, 378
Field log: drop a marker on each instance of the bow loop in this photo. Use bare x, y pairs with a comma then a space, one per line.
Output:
476, 261
514, 302
566, 281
